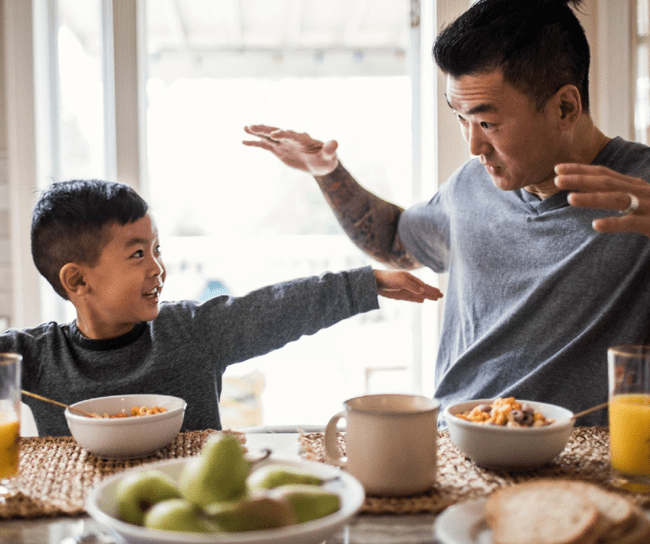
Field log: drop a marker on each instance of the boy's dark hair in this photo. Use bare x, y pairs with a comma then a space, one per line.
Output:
539, 45
71, 219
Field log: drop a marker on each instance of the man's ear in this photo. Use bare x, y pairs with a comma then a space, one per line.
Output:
73, 280
569, 106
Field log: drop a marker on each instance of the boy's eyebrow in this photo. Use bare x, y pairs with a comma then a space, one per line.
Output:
140, 241
480, 108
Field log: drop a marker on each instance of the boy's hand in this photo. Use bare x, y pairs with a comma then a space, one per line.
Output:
402, 285
297, 150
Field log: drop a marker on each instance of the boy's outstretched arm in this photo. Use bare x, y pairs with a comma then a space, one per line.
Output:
402, 285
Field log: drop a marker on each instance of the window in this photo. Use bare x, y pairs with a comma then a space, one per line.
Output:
72, 107
274, 224
81, 90
240, 219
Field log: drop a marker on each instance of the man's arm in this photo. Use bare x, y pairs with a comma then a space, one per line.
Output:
370, 222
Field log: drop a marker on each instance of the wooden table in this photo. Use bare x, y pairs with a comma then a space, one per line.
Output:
416, 529
381, 520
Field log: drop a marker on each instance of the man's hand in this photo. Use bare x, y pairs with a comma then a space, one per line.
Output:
294, 149
603, 189
369, 221
402, 285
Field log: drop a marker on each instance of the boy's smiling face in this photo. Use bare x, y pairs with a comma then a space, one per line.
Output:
123, 288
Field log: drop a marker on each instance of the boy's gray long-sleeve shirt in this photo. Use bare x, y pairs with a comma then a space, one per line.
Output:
185, 350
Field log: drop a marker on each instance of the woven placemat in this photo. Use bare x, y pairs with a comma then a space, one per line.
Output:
56, 473
586, 457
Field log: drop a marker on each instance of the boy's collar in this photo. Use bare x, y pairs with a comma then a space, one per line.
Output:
109, 343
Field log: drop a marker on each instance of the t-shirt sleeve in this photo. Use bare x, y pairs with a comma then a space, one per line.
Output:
424, 231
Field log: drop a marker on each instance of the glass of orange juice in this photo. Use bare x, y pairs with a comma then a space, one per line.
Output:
629, 416
10, 366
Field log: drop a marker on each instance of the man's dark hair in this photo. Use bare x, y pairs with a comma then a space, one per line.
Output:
539, 45
71, 220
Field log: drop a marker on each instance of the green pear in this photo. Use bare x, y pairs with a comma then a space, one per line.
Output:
178, 515
139, 491
308, 502
218, 474
270, 476
255, 513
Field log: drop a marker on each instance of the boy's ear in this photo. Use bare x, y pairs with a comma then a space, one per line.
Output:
72, 278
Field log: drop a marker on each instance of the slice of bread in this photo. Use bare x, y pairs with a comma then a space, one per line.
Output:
564, 512
637, 533
618, 514
542, 512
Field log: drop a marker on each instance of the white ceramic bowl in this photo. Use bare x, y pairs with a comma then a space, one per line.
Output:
514, 448
101, 504
127, 437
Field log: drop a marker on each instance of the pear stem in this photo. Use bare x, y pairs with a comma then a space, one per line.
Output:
266, 455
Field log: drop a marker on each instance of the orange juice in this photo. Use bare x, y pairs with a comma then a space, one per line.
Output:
9, 437
629, 430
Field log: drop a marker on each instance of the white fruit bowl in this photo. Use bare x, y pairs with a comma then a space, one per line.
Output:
126, 437
101, 504
513, 448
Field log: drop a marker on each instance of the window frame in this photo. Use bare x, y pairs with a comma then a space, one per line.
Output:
639, 41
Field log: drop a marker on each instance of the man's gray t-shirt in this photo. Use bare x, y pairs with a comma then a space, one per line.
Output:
185, 350
535, 295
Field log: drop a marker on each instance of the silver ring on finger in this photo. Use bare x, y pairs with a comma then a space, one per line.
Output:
634, 205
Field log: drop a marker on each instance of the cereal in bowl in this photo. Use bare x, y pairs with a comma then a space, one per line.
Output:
506, 412
136, 411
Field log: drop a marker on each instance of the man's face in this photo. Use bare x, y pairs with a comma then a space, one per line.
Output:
517, 143
125, 285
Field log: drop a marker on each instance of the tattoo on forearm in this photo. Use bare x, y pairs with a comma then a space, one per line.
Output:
370, 222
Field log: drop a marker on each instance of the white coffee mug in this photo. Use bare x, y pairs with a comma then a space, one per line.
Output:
390, 442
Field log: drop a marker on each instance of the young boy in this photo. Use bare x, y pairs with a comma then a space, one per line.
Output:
97, 245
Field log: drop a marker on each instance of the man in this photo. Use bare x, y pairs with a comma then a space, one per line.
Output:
541, 281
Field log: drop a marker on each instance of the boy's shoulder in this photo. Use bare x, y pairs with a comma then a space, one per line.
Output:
40, 332
49, 327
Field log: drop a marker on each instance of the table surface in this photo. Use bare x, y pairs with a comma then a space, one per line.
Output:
390, 529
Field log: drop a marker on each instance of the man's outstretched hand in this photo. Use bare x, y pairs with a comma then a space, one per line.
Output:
402, 285
297, 150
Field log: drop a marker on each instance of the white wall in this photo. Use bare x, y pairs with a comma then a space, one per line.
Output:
5, 249
23, 300
5, 232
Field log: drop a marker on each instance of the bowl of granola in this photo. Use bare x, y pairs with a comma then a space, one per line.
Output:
126, 426
509, 433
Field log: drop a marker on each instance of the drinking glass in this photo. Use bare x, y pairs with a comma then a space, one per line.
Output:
629, 416
10, 366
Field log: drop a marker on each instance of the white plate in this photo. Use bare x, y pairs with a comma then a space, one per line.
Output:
102, 506
464, 523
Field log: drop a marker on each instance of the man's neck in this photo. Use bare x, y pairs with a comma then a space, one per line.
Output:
588, 142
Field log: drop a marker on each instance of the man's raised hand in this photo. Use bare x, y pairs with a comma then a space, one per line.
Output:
297, 150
